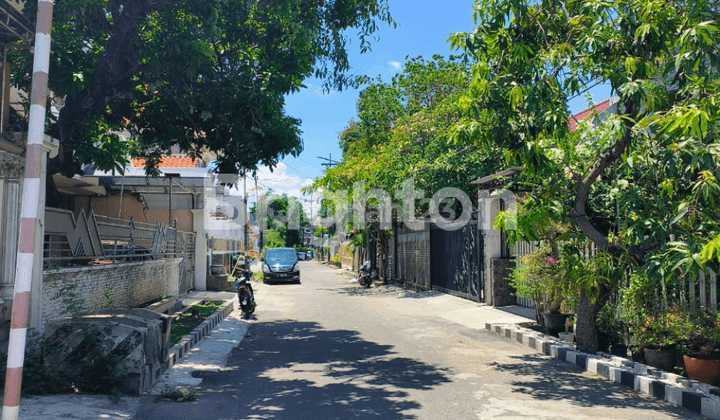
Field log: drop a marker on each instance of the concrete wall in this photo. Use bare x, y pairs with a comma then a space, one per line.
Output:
122, 285
488, 208
503, 293
346, 255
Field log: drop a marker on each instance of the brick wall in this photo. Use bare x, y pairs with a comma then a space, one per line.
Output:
118, 285
346, 255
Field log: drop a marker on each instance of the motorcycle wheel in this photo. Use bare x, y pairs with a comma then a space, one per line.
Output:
247, 307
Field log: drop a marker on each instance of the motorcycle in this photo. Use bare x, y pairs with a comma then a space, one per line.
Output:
246, 296
365, 275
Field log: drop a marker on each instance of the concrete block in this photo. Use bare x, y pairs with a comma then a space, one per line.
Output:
711, 408
554, 351
644, 384
593, 365
673, 395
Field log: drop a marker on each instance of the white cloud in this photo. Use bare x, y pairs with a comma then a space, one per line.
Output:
279, 181
395, 64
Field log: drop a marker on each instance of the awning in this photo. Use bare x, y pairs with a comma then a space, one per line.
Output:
151, 185
74, 186
14, 26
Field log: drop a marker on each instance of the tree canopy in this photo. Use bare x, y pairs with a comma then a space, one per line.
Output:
204, 75
403, 131
656, 159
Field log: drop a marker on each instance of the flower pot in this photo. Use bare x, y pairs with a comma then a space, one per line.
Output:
638, 355
604, 341
567, 337
661, 359
618, 350
703, 370
554, 323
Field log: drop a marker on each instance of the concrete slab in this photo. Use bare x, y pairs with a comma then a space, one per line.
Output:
77, 407
210, 354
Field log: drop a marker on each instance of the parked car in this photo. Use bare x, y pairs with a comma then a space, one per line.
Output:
301, 256
281, 264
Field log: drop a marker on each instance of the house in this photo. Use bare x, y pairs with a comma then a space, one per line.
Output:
187, 196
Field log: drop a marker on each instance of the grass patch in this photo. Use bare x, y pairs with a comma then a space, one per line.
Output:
258, 276
189, 320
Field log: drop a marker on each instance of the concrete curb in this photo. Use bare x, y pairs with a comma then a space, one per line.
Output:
182, 347
678, 390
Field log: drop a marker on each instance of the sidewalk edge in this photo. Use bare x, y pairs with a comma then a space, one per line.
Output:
182, 347
694, 396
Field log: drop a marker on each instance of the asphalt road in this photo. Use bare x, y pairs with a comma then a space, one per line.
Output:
328, 349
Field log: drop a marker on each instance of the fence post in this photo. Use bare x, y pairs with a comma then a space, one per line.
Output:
713, 291
703, 295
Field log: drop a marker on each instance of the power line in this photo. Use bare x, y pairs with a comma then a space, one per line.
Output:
329, 161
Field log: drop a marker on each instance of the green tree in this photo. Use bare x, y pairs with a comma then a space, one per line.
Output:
273, 239
282, 214
403, 131
657, 157
205, 75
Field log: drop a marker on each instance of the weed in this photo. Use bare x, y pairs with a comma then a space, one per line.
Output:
178, 394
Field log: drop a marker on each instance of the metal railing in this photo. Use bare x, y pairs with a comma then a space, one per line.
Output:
81, 239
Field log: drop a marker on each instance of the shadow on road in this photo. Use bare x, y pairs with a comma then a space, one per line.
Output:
298, 370
549, 379
392, 289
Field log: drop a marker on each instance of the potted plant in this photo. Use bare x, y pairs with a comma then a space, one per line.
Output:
539, 276
658, 336
569, 334
612, 331
701, 346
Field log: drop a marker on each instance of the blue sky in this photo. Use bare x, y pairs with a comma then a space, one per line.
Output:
423, 30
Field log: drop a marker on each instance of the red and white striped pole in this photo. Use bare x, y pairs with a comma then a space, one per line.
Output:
29, 256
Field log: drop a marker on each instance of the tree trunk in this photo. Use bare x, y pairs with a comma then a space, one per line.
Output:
383, 242
586, 333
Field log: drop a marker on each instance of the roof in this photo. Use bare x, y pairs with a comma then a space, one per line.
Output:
168, 162
590, 113
498, 178
13, 25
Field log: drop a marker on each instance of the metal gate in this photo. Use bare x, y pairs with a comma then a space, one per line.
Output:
456, 264
187, 267
412, 257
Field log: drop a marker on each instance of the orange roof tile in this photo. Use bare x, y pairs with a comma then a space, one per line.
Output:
588, 113
168, 162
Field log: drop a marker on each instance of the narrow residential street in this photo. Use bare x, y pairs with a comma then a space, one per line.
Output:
328, 349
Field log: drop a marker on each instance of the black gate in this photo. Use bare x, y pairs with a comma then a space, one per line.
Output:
412, 256
455, 265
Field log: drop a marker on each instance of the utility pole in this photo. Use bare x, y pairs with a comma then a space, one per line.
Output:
257, 213
329, 162
245, 216
312, 227
28, 273
170, 181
